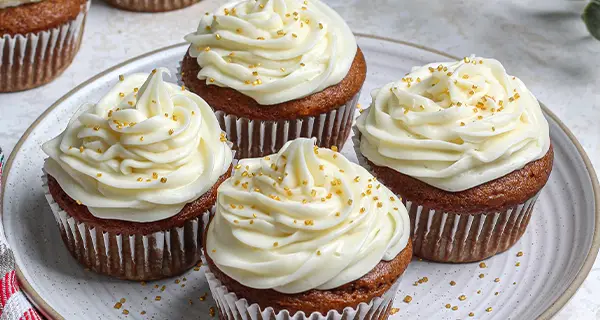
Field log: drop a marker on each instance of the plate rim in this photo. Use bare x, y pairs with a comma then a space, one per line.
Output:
42, 306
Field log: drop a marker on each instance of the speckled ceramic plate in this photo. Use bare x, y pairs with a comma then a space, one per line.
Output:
558, 249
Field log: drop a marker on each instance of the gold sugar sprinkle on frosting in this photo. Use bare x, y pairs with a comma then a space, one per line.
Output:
482, 265
407, 299
462, 298
455, 308
448, 306
497, 280
520, 254
121, 77
471, 314
393, 311
163, 180
489, 309
481, 276
452, 283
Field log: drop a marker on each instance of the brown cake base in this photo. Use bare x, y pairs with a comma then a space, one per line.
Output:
131, 250
259, 130
151, 5
470, 225
374, 284
39, 41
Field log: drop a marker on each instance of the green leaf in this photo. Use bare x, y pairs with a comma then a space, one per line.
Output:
591, 17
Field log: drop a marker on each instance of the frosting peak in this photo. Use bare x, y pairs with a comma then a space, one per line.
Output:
273, 50
302, 219
141, 153
454, 125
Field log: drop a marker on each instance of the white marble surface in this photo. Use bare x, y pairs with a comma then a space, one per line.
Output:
543, 42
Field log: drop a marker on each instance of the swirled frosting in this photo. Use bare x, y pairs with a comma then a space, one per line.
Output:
454, 125
14, 3
140, 154
304, 218
273, 50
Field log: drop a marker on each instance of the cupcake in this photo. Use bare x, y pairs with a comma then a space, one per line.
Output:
39, 39
132, 176
467, 148
276, 70
151, 6
305, 233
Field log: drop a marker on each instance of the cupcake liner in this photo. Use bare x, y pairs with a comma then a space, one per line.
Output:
450, 237
131, 257
232, 308
31, 60
151, 5
454, 237
257, 138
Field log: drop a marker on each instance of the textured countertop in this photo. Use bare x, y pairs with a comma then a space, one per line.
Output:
545, 43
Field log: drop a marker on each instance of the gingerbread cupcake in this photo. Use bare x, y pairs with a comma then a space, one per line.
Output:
132, 176
305, 233
467, 148
151, 6
39, 39
274, 71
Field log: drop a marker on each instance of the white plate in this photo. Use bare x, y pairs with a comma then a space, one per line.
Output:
559, 245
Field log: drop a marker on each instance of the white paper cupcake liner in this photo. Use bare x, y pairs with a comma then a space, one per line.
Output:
257, 138
31, 60
153, 256
151, 5
232, 308
455, 237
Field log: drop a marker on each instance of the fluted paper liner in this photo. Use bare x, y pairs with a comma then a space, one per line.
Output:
455, 237
151, 5
232, 308
33, 59
132, 257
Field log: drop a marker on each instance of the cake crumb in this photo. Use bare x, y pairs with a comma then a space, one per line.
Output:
211, 311
143, 312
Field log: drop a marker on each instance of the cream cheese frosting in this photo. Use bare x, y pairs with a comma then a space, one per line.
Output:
304, 218
140, 154
273, 50
14, 3
454, 125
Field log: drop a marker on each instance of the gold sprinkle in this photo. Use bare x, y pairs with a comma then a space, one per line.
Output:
320, 25
482, 265
357, 179
393, 311
275, 244
210, 80
481, 276
452, 283
294, 35
496, 293
171, 131
520, 254
455, 308
497, 280
121, 77
494, 129
462, 124
125, 311
318, 252
163, 180
309, 222
260, 38
518, 264
448, 306
121, 94
379, 204
488, 309
218, 36
302, 64
478, 291
238, 30
118, 305
462, 298
407, 299
157, 298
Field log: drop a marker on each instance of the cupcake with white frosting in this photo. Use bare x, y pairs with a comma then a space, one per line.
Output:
131, 177
276, 70
306, 232
467, 148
